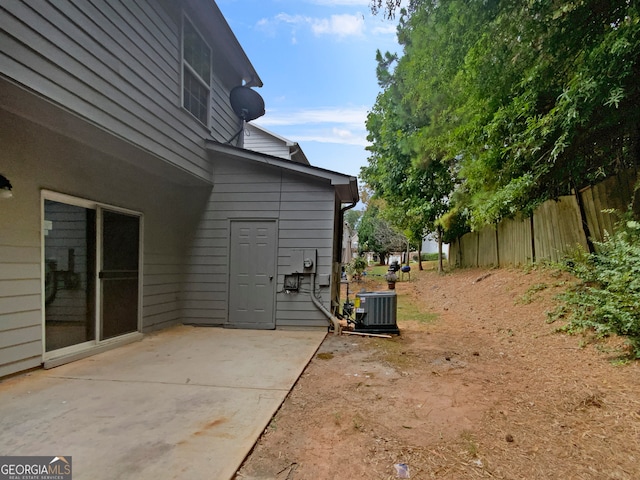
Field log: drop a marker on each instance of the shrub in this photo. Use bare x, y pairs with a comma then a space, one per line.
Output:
607, 298
357, 266
429, 257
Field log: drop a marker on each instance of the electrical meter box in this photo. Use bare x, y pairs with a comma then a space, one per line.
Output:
304, 261
376, 312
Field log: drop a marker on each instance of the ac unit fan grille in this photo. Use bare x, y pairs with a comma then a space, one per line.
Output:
378, 311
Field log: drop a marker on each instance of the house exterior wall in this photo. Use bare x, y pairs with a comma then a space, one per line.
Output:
35, 159
305, 212
118, 66
90, 107
260, 141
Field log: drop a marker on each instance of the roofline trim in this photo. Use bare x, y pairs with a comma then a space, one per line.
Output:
336, 178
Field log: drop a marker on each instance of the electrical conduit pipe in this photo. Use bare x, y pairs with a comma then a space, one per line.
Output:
337, 328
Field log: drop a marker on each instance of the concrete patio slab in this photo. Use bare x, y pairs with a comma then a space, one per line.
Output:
188, 402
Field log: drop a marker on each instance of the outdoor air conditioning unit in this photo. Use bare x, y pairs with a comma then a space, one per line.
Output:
376, 312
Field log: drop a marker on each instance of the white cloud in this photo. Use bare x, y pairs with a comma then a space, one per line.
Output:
342, 132
341, 26
330, 137
340, 3
291, 19
325, 125
385, 29
355, 116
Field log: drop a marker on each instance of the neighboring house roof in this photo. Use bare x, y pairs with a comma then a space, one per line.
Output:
259, 139
298, 156
346, 185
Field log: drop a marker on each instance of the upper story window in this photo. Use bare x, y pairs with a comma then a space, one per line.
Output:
196, 73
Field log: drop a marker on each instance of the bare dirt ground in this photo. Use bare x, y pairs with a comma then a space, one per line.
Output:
477, 385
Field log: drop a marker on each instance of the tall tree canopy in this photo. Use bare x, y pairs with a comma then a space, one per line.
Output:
497, 105
375, 234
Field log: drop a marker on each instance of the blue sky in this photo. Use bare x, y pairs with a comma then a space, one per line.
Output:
316, 59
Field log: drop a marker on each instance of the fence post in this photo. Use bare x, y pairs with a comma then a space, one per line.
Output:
497, 245
584, 221
533, 241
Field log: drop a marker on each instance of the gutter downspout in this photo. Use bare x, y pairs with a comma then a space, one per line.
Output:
341, 225
337, 328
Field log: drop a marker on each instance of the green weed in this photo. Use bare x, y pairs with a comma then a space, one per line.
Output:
531, 294
358, 422
471, 445
606, 300
337, 418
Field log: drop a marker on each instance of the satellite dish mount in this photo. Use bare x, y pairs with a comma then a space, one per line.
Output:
247, 105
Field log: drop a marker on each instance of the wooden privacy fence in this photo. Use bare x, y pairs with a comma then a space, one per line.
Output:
556, 227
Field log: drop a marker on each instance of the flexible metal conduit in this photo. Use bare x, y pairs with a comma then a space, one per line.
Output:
337, 328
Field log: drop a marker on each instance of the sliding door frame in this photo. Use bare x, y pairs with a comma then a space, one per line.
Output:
73, 352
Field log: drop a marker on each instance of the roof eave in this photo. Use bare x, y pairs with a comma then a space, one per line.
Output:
346, 185
221, 32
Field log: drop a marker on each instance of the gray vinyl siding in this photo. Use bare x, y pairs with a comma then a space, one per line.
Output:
260, 141
20, 303
304, 209
162, 283
40, 159
117, 65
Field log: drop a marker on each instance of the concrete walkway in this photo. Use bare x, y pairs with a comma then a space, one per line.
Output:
184, 403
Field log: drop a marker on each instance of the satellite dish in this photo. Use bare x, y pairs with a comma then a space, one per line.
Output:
247, 103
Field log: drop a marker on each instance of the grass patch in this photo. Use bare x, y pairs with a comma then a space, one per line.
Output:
409, 311
431, 265
470, 443
393, 351
381, 270
325, 356
378, 270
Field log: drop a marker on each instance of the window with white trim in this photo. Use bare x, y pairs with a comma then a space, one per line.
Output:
196, 73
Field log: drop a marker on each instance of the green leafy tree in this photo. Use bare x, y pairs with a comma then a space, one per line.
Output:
555, 102
519, 101
415, 183
376, 235
352, 217
389, 7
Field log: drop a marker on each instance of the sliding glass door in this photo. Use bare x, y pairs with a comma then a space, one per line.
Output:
91, 273
119, 273
69, 266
